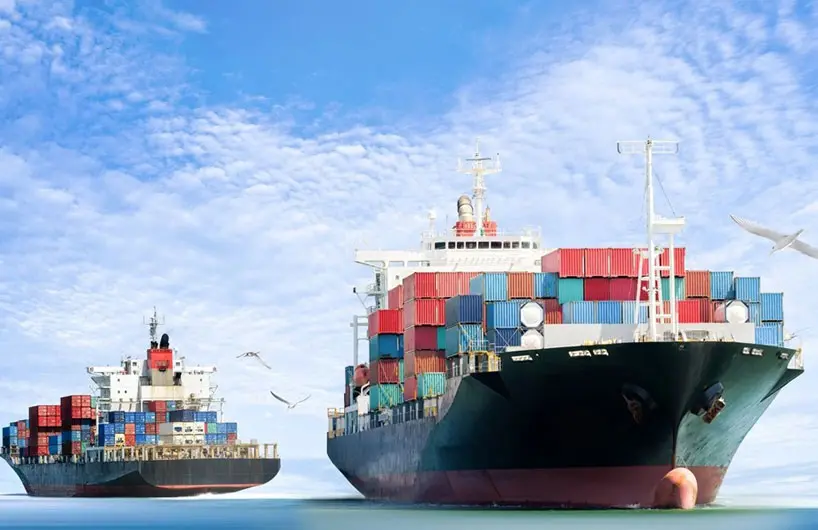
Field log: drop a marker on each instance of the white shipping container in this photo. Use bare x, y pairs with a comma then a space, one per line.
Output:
119, 439
731, 311
531, 315
198, 427
176, 439
168, 429
532, 340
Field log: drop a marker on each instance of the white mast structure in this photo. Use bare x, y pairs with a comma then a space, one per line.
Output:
479, 170
656, 224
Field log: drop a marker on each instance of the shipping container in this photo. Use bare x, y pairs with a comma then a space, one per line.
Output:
447, 284
595, 289
770, 334
772, 307
629, 315
732, 311
425, 312
570, 290
419, 285
532, 314
394, 298
464, 338
697, 284
385, 371
492, 286
348, 372
420, 338
553, 317
384, 346
463, 281
721, 285
410, 389
566, 262
624, 263
680, 289
520, 285
579, 313
182, 416
545, 284
441, 338
609, 312
385, 321
424, 361
464, 309
500, 339
503, 315
382, 396
597, 262
747, 289
678, 265
694, 311
623, 289
431, 384
755, 312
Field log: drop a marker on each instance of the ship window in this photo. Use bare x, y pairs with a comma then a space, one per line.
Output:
483, 244
460, 244
451, 244
515, 244
440, 245
535, 245
496, 244
471, 244
506, 244
526, 244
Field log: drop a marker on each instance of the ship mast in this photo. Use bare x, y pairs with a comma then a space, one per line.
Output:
655, 225
153, 324
479, 170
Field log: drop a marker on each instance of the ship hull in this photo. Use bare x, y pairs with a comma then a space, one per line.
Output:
556, 430
158, 478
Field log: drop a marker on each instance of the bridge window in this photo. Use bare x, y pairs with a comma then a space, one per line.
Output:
440, 245
526, 244
461, 244
506, 244
483, 244
451, 244
471, 244
496, 244
515, 244
536, 245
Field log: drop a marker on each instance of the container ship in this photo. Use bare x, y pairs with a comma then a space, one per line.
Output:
154, 428
501, 372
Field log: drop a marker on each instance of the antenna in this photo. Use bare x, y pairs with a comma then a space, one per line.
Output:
153, 324
479, 170
656, 225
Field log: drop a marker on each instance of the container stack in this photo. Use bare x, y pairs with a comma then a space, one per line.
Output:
15, 437
79, 422
166, 427
386, 352
44, 434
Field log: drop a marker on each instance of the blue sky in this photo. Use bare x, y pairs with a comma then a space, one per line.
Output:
221, 162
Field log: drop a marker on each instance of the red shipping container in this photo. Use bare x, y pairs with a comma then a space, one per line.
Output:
553, 317
130, 429
394, 298
679, 262
597, 262
385, 321
232, 436
410, 389
420, 285
385, 371
520, 285
597, 289
550, 304
423, 361
623, 289
566, 262
447, 284
424, 312
624, 263
74, 448
39, 450
697, 284
420, 338
694, 311
130, 439
463, 280
150, 428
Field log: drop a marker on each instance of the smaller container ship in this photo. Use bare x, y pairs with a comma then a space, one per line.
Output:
154, 429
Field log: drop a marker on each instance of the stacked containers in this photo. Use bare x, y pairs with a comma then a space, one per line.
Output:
44, 421
77, 420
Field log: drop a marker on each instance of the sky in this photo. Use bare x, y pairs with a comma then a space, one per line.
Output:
222, 161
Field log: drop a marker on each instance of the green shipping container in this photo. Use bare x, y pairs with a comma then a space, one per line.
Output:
431, 384
570, 290
400, 370
381, 396
680, 288
93, 402
441, 338
212, 428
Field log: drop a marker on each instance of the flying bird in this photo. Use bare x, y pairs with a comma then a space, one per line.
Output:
781, 241
289, 405
256, 356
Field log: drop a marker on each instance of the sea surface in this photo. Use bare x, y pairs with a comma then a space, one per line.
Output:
19, 511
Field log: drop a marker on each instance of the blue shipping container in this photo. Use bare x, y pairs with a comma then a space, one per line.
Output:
210, 439
12, 430
170, 405
139, 428
755, 312
772, 307
381, 396
150, 439
140, 439
748, 289
721, 285
221, 428
139, 417
119, 428
116, 416
385, 345
348, 372
492, 286
545, 284
467, 337
441, 338
232, 427
6, 432
73, 436
150, 417
570, 290
609, 312
502, 338
770, 334
503, 315
182, 416
628, 313
431, 384
579, 313
130, 417
464, 309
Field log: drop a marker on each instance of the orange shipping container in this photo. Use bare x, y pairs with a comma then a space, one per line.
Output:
130, 439
597, 262
679, 262
520, 285
566, 262
420, 285
553, 317
463, 280
423, 361
623, 263
395, 297
697, 284
130, 429
447, 284
427, 312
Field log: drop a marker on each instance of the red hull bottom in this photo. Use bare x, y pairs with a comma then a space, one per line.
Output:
607, 487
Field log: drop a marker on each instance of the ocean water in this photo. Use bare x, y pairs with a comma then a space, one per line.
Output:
201, 513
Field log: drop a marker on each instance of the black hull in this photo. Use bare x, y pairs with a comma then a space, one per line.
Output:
557, 431
158, 478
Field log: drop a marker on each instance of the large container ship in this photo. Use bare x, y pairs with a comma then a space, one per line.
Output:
154, 428
504, 372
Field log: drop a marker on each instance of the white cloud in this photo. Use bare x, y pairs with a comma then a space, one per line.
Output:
241, 231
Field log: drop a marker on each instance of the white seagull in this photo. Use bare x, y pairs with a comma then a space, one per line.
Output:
255, 355
289, 405
781, 241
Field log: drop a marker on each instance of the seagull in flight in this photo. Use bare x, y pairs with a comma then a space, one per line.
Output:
256, 356
781, 241
289, 405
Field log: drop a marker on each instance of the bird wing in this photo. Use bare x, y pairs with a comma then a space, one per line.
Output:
757, 229
803, 248
281, 399
258, 357
303, 400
